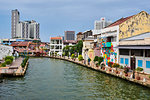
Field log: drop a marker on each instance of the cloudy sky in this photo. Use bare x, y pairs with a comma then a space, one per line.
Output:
57, 16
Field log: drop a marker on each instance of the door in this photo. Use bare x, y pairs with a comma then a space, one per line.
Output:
133, 63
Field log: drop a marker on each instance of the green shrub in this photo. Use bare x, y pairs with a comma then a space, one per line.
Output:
8, 61
9, 57
80, 57
3, 64
72, 56
139, 69
24, 61
115, 65
95, 58
121, 67
100, 59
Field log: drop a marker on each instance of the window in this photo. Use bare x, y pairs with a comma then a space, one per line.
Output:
126, 61
137, 52
147, 53
124, 52
140, 63
147, 64
122, 60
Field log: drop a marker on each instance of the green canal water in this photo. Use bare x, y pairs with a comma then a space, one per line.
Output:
52, 79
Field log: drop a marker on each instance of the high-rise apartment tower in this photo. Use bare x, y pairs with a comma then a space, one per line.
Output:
69, 35
14, 21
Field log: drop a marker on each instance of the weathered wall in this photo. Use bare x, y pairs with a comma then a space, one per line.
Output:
136, 25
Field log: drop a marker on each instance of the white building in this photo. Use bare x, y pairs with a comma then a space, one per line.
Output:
69, 42
24, 29
28, 30
5, 51
100, 24
34, 30
56, 45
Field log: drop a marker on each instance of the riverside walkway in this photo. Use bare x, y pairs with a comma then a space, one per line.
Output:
144, 81
15, 69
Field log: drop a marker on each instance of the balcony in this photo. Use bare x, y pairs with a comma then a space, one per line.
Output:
107, 44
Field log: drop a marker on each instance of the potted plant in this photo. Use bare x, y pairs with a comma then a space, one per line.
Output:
72, 56
138, 69
116, 65
96, 63
102, 66
80, 58
110, 65
95, 58
126, 70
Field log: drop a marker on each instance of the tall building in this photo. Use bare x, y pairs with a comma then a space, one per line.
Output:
24, 29
69, 35
100, 24
34, 30
14, 21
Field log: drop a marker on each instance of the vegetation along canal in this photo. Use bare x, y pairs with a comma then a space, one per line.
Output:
55, 79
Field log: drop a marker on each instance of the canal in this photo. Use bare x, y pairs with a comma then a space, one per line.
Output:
52, 79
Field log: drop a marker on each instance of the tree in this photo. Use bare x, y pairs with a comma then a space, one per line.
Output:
96, 58
79, 46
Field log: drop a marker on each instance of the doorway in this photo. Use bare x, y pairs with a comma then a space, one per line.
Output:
133, 63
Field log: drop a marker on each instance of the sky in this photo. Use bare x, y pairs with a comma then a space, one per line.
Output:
57, 16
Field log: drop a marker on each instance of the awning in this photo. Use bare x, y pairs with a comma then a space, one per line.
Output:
134, 47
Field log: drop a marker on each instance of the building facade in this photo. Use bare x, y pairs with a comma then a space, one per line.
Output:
134, 42
24, 29
100, 24
87, 34
5, 51
69, 35
79, 36
14, 21
56, 45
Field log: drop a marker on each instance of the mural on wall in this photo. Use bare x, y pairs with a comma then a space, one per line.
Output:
108, 52
135, 25
91, 54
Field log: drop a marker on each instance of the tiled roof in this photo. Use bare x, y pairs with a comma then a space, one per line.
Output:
119, 21
20, 44
56, 38
80, 33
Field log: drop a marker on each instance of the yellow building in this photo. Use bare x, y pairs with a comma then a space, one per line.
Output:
135, 25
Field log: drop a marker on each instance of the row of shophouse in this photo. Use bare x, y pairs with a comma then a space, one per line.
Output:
125, 41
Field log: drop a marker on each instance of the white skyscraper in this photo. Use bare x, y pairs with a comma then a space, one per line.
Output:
24, 30
28, 30
34, 30
100, 24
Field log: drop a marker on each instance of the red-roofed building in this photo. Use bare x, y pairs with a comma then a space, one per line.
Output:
79, 36
56, 45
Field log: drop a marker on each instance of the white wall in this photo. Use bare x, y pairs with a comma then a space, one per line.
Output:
5, 51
